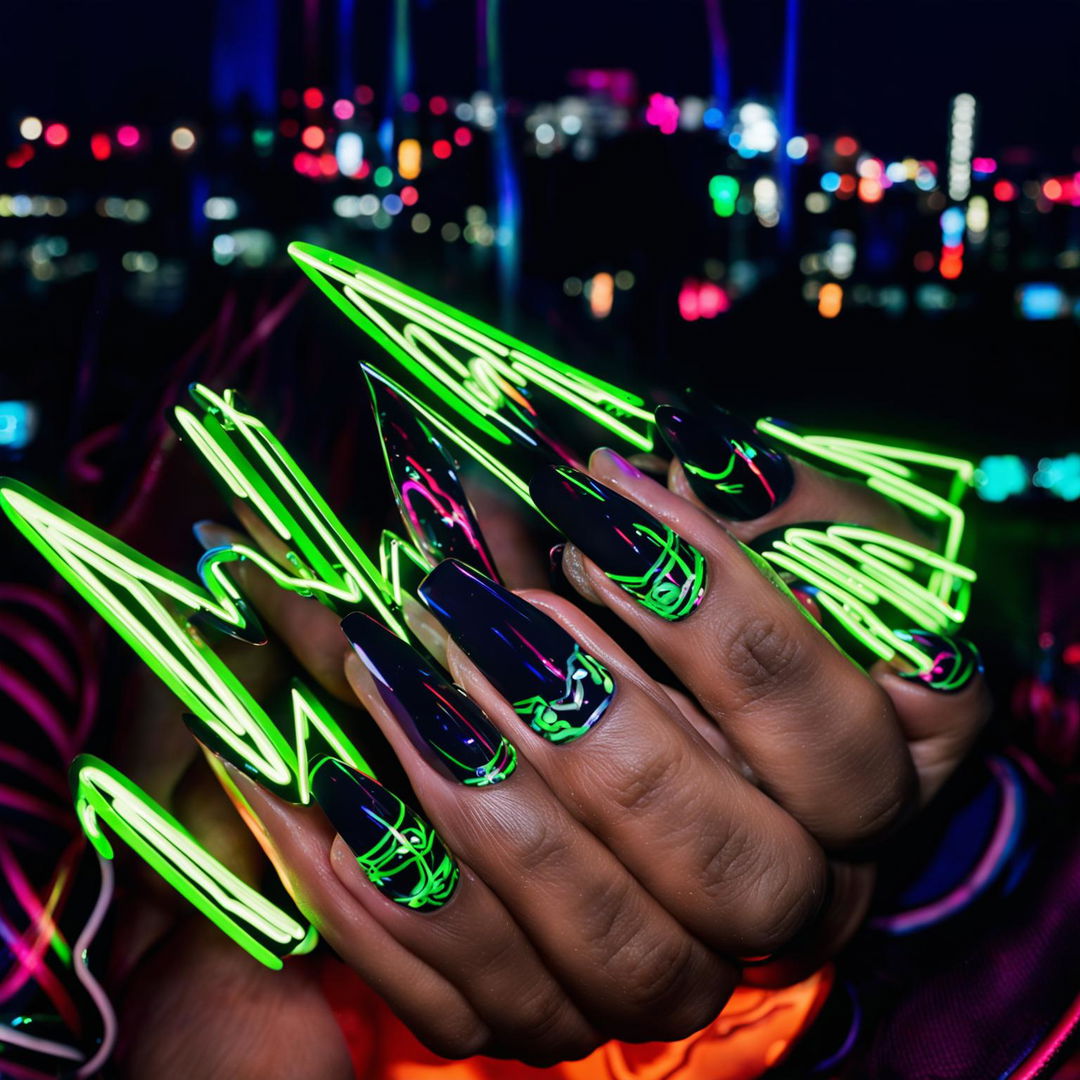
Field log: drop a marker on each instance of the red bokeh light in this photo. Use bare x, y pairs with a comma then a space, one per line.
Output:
313, 98
127, 136
56, 134
101, 146
442, 148
409, 195
846, 146
438, 105
462, 136
313, 137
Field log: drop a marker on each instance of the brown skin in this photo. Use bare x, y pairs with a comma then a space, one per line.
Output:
617, 879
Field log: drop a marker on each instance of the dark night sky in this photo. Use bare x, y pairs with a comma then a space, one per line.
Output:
883, 71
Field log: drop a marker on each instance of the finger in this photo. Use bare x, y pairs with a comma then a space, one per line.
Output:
298, 841
941, 710
630, 967
735, 869
728, 468
807, 720
468, 936
308, 628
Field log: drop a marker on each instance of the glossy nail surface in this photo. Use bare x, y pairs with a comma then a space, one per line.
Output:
642, 555
398, 850
727, 463
556, 687
425, 479
954, 662
441, 720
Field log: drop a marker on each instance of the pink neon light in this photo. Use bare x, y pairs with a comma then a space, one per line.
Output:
1050, 1045
986, 868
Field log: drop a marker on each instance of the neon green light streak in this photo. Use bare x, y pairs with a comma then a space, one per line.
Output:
856, 570
308, 713
392, 549
474, 368
138, 598
888, 470
104, 796
326, 561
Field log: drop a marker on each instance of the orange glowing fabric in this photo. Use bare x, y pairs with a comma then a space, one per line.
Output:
754, 1032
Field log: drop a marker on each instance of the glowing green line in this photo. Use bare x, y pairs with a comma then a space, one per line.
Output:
888, 470
392, 549
249, 458
856, 570
104, 796
479, 386
130, 592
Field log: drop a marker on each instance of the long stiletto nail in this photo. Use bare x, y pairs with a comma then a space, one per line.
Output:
398, 850
556, 687
424, 476
954, 662
649, 560
727, 463
440, 719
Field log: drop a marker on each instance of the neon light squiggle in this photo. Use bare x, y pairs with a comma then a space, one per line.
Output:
249, 459
104, 796
889, 470
857, 574
138, 598
478, 371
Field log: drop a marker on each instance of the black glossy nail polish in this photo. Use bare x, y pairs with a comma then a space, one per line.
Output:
425, 480
952, 662
727, 463
441, 720
399, 851
649, 560
553, 684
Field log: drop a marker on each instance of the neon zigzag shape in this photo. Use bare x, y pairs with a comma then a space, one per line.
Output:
480, 372
104, 796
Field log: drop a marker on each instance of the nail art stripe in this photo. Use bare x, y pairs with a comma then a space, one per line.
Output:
729, 466
953, 662
552, 683
399, 851
641, 554
673, 585
441, 720
496, 769
409, 858
554, 717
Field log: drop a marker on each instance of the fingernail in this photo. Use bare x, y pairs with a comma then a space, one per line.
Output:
399, 851
210, 534
556, 687
425, 480
953, 662
444, 724
727, 463
642, 555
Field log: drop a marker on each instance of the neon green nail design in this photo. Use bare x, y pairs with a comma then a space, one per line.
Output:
554, 719
673, 586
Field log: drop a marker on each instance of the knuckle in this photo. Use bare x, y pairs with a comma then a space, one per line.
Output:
769, 891
644, 779
465, 1039
539, 1018
882, 807
539, 838
761, 654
